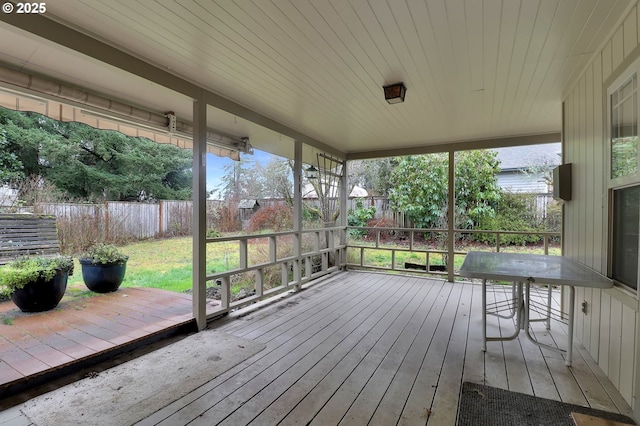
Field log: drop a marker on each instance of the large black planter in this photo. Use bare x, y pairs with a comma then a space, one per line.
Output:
103, 277
41, 295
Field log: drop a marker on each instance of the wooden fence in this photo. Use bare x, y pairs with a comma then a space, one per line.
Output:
123, 221
116, 221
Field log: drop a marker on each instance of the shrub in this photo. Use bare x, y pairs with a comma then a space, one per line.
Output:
514, 212
18, 273
225, 219
277, 217
381, 223
212, 233
104, 254
360, 217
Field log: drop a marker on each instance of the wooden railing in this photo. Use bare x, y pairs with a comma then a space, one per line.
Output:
308, 254
300, 257
408, 256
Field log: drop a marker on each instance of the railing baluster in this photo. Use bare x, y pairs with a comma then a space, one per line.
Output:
273, 249
379, 245
243, 254
546, 244
259, 284
284, 273
225, 292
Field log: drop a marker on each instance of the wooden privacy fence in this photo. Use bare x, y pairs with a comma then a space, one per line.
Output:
82, 224
23, 234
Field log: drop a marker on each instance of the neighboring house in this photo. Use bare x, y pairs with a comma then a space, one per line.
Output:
308, 192
522, 168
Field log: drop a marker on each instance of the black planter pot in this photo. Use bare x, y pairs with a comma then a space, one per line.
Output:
103, 277
41, 295
437, 268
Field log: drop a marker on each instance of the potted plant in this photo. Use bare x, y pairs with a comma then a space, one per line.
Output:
36, 283
103, 267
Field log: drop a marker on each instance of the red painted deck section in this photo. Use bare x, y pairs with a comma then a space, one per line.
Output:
36, 343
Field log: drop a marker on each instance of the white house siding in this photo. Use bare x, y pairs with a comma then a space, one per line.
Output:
517, 182
609, 329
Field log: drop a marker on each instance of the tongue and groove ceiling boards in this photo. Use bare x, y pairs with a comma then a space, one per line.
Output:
314, 69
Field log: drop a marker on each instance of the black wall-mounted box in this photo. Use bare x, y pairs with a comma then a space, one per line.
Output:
562, 182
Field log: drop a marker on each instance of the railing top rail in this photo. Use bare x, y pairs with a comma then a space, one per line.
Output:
271, 234
466, 231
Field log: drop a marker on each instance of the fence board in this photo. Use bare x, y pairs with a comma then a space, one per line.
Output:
120, 221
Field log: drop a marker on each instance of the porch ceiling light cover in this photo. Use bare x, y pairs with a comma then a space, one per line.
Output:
394, 93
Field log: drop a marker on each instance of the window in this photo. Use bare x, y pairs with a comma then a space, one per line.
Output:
624, 129
624, 180
626, 224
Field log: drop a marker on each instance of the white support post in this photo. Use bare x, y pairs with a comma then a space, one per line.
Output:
297, 214
450, 216
344, 199
199, 213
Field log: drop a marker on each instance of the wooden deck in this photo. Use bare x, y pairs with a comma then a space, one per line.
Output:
367, 348
36, 348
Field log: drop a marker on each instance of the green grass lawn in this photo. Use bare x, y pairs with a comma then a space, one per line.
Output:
167, 263
382, 258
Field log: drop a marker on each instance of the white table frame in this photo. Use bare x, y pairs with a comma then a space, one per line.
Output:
523, 270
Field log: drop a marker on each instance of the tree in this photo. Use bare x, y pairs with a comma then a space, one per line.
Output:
419, 188
11, 168
277, 177
240, 181
95, 164
373, 175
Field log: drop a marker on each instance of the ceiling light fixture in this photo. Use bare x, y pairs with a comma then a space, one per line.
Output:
394, 93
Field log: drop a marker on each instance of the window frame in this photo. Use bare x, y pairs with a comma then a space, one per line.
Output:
622, 182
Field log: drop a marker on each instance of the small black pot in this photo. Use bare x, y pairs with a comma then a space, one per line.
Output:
41, 295
103, 277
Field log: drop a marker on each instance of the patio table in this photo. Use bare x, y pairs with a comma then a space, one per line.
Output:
523, 270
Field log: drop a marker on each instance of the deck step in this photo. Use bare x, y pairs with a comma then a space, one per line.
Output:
586, 420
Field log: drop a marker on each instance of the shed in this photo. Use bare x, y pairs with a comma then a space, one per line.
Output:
246, 209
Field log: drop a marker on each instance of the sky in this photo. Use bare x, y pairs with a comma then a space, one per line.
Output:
216, 166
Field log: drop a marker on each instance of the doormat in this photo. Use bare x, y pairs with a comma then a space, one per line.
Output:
484, 405
132, 391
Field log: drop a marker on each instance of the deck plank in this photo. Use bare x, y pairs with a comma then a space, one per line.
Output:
390, 408
300, 339
473, 369
445, 403
198, 400
370, 348
369, 398
340, 387
325, 356
420, 400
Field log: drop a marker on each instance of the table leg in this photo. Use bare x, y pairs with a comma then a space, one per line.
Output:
549, 288
572, 300
521, 307
484, 315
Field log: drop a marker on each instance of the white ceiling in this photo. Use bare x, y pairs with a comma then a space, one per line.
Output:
473, 69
